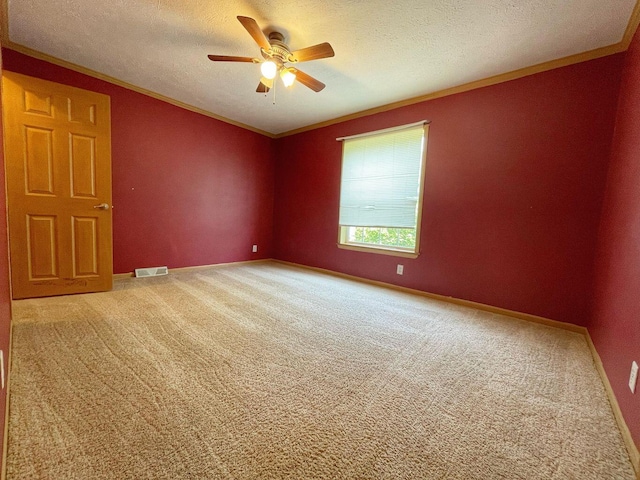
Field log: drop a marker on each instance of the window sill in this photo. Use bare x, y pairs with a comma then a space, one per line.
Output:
379, 250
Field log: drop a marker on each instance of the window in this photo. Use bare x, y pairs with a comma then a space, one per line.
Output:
381, 190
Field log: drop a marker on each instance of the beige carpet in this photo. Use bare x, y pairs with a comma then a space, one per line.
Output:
268, 371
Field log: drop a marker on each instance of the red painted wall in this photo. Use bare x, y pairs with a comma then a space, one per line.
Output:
615, 326
514, 184
5, 293
187, 189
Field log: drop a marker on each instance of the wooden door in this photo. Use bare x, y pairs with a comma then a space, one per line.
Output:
58, 166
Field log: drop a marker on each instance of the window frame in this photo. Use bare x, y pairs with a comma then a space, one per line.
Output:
344, 244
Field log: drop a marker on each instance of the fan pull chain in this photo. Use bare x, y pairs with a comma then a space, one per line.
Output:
274, 90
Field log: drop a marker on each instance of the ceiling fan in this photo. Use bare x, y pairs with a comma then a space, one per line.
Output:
277, 55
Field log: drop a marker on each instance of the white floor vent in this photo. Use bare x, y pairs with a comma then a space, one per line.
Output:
151, 272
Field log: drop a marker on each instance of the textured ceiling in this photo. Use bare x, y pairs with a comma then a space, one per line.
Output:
385, 51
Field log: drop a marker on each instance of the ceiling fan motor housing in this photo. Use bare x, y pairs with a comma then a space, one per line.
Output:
279, 51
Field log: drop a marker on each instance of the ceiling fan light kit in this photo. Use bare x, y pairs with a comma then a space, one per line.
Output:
269, 69
288, 77
276, 56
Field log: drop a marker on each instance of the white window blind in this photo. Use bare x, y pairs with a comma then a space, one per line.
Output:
381, 179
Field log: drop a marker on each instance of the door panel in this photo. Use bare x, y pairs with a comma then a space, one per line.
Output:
38, 165
42, 247
81, 111
37, 103
83, 166
85, 246
58, 161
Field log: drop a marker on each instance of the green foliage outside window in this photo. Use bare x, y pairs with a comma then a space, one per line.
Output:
390, 237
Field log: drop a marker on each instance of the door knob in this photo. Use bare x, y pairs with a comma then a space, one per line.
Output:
102, 206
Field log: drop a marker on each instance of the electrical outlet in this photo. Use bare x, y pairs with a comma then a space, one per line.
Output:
633, 377
254, 249
400, 269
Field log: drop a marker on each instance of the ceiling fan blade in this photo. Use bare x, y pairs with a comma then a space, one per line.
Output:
322, 50
308, 81
254, 30
265, 85
227, 58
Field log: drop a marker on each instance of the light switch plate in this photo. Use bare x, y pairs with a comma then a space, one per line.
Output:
633, 377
